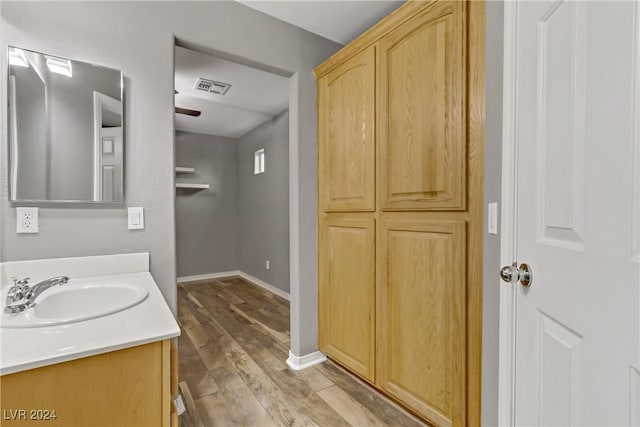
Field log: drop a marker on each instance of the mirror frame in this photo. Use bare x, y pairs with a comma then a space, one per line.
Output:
11, 168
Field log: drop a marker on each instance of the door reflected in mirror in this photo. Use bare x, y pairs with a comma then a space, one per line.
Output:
65, 130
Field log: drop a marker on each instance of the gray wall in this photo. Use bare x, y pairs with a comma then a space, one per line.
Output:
263, 203
207, 220
492, 188
70, 120
140, 40
31, 125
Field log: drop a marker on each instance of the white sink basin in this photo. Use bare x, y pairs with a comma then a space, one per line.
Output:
69, 304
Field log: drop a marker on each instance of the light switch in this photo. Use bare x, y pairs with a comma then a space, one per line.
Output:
136, 218
492, 218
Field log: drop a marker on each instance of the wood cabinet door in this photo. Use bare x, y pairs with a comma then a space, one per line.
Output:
123, 388
421, 315
421, 89
346, 135
346, 292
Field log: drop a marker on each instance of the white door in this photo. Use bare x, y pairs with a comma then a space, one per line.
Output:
576, 132
111, 158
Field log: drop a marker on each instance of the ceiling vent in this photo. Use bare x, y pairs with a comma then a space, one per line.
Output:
212, 86
204, 84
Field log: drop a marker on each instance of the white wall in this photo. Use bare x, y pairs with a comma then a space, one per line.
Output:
138, 38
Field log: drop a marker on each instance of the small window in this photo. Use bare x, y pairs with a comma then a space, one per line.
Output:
258, 162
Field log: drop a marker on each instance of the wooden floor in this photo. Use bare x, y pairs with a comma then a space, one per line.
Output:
232, 369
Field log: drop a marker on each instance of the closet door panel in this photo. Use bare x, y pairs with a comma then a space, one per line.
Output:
421, 315
346, 135
347, 291
421, 111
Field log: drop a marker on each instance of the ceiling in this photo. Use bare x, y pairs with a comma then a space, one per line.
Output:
340, 21
255, 96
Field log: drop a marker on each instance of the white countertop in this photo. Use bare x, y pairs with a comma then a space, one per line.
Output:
149, 321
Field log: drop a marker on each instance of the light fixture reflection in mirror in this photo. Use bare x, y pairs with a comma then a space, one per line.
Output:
65, 129
17, 57
59, 65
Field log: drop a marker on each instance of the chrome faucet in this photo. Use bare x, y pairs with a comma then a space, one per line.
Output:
22, 296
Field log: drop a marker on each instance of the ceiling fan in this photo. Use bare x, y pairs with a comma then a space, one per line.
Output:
187, 111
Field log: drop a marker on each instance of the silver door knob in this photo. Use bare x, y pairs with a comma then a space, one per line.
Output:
513, 274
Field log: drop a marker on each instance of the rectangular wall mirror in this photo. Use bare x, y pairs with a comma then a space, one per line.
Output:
66, 140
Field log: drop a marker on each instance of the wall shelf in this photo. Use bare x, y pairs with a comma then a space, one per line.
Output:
192, 186
181, 169
187, 186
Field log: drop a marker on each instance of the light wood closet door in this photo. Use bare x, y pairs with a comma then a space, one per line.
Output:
346, 134
421, 111
347, 291
421, 315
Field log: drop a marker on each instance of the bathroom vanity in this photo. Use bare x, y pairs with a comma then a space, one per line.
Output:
103, 360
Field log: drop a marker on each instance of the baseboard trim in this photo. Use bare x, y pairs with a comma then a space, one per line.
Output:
264, 285
219, 275
308, 360
245, 276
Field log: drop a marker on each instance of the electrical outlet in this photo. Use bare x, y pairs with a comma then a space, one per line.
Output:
27, 220
267, 264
